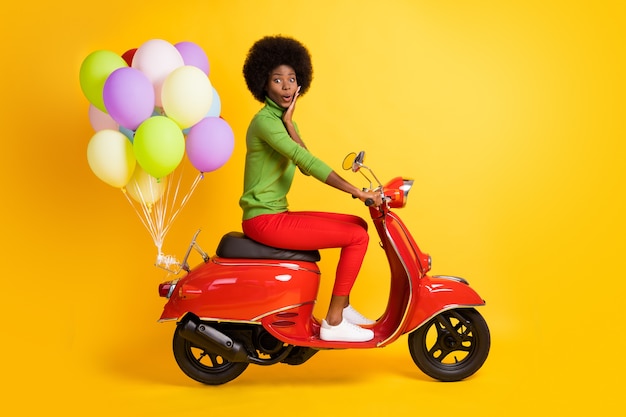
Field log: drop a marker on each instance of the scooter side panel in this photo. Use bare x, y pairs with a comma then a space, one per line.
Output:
438, 294
242, 290
403, 257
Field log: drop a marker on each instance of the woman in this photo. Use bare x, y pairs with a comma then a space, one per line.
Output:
277, 70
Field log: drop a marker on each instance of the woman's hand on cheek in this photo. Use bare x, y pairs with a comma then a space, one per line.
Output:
289, 112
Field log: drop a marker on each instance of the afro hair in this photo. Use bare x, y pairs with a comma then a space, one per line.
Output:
271, 52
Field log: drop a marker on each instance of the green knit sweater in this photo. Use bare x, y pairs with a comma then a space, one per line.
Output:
271, 160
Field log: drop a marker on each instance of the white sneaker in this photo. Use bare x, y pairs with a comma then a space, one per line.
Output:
344, 332
354, 317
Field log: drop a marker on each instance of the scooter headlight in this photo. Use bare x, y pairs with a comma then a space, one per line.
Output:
405, 188
397, 191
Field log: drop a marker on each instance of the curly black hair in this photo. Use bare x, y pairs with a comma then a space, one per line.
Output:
270, 52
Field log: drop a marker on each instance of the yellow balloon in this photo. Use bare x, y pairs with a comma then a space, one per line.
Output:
110, 156
187, 95
144, 188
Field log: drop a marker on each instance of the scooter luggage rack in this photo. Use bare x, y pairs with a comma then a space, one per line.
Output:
166, 262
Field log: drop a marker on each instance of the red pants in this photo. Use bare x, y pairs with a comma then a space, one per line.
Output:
309, 230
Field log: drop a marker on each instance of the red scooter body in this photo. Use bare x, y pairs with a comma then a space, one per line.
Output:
279, 295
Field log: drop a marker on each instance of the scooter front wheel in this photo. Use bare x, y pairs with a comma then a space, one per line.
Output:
203, 365
452, 345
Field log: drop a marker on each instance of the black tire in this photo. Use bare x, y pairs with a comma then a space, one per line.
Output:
202, 365
452, 345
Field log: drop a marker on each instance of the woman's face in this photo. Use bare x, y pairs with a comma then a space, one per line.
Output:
282, 85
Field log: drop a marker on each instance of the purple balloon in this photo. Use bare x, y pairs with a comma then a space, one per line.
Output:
128, 97
210, 143
193, 55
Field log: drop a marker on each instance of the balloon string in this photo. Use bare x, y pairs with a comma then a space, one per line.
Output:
167, 202
184, 200
157, 217
145, 219
162, 207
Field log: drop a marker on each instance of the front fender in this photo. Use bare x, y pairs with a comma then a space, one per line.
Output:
440, 293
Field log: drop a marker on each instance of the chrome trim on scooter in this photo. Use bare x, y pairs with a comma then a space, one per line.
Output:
165, 320
216, 320
406, 187
211, 319
255, 320
172, 287
288, 265
452, 278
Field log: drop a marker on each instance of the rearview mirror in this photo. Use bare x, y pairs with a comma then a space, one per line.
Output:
353, 161
348, 161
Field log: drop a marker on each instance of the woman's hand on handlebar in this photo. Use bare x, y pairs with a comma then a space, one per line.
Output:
334, 180
375, 198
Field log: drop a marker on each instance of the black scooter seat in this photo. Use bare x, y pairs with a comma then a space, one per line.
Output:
238, 245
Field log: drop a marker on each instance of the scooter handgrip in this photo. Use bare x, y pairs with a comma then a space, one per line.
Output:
369, 202
355, 197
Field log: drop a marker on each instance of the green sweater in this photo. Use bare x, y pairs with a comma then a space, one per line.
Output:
271, 160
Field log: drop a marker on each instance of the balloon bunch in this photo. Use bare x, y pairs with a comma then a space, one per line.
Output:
149, 107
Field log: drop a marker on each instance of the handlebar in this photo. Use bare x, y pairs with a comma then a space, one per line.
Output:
393, 194
368, 201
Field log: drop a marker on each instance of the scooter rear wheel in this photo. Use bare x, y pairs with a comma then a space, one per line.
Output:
452, 345
203, 365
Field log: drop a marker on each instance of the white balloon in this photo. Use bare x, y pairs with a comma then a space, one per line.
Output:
157, 58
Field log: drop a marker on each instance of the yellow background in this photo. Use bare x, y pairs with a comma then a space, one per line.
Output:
509, 115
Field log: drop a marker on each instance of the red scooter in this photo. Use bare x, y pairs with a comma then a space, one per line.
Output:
251, 303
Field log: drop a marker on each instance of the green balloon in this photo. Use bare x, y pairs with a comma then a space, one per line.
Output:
159, 145
94, 71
